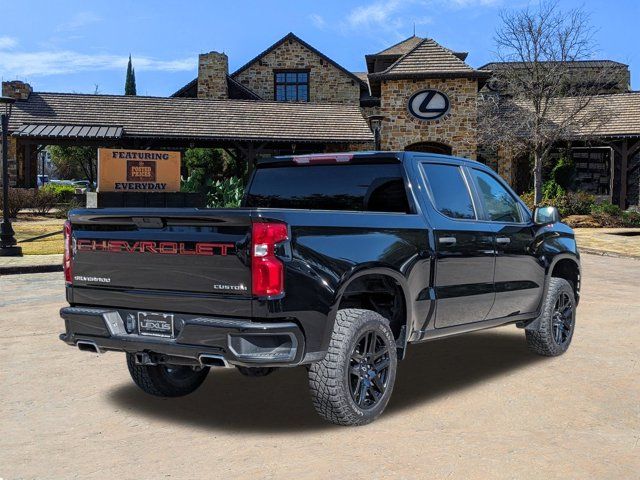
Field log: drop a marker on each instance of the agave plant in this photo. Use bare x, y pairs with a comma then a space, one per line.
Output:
225, 193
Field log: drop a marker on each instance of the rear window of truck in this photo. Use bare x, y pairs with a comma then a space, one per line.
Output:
366, 188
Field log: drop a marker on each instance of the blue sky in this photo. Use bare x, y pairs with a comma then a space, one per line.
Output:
72, 46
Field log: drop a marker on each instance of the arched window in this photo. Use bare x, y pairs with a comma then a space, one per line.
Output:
429, 147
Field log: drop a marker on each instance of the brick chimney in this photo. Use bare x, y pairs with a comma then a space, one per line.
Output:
213, 68
16, 89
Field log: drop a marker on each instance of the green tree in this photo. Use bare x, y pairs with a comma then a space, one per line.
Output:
75, 162
130, 82
206, 165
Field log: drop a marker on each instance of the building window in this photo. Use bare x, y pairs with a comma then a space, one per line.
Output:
292, 86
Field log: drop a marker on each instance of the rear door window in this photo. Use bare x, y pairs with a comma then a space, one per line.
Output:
449, 190
361, 187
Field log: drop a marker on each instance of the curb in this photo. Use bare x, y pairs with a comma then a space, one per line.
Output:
603, 253
17, 270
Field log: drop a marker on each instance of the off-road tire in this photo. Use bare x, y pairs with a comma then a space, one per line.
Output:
541, 340
329, 378
158, 381
256, 371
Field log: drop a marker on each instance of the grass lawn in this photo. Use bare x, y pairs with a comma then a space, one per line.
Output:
32, 227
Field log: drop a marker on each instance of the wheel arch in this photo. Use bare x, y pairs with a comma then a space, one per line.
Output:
370, 278
567, 267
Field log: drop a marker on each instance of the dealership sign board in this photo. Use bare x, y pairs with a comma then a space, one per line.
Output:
428, 104
138, 170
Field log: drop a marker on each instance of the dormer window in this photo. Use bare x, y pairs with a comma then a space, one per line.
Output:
291, 86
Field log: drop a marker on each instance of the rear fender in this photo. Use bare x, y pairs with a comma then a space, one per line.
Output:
348, 279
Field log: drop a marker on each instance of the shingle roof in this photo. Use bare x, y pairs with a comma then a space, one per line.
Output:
573, 64
623, 115
428, 58
162, 117
402, 47
611, 115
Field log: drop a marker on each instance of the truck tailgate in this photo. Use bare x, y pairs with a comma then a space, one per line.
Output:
187, 251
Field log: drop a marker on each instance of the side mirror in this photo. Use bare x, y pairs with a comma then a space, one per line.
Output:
546, 215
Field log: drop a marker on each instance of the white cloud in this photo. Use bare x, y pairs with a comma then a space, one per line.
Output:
41, 63
318, 20
78, 21
7, 42
377, 13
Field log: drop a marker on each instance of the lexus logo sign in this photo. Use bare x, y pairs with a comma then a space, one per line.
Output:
428, 104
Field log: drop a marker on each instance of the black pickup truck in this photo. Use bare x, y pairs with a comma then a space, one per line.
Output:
335, 262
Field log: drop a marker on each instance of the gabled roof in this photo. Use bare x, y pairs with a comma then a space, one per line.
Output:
291, 36
189, 118
236, 90
429, 59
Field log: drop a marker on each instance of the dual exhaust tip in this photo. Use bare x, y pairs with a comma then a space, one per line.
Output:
206, 360
87, 346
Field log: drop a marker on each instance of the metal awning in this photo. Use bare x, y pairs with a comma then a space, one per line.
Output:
69, 131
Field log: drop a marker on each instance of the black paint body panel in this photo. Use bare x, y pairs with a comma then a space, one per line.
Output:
447, 289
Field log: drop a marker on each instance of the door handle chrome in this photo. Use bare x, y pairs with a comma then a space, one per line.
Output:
503, 240
447, 240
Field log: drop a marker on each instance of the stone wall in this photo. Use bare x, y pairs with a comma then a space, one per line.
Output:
213, 68
456, 129
327, 83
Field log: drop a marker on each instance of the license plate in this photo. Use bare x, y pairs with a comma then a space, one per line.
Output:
156, 324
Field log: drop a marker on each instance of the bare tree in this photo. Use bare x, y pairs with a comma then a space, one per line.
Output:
539, 97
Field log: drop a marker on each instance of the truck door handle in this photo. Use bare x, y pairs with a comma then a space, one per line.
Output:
503, 240
447, 240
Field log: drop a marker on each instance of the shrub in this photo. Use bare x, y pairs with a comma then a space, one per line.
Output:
575, 203
63, 193
606, 208
631, 218
567, 203
43, 201
551, 190
226, 193
65, 208
563, 173
19, 199
529, 199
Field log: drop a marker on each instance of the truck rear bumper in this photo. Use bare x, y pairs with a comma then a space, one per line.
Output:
198, 340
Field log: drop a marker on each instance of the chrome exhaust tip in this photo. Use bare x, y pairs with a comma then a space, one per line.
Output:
208, 360
87, 346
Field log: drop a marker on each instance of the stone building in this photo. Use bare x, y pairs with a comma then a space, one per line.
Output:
291, 98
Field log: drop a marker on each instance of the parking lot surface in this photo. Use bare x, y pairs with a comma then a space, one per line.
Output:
474, 406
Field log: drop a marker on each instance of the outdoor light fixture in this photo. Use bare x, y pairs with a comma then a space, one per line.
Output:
375, 121
8, 247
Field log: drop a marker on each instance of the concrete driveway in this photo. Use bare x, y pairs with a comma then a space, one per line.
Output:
474, 406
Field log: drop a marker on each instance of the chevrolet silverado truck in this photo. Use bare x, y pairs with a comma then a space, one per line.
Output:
334, 262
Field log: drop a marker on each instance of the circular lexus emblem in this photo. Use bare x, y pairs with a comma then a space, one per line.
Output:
428, 104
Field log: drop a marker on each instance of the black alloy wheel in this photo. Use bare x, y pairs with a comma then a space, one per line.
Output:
551, 333
562, 320
369, 369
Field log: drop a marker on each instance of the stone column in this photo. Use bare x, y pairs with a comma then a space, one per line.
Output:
20, 91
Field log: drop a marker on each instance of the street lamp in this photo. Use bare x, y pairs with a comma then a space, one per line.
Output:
8, 247
375, 121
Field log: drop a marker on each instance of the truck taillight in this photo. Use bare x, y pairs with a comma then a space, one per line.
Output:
267, 270
66, 259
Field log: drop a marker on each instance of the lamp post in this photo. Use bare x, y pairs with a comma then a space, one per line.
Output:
375, 121
8, 247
